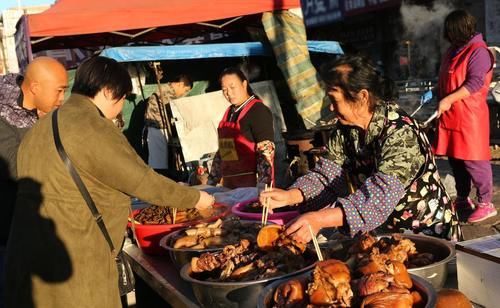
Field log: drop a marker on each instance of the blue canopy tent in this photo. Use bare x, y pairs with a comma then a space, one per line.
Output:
133, 110
198, 51
205, 51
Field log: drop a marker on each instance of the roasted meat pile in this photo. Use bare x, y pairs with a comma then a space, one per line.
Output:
378, 278
272, 255
217, 234
395, 248
155, 215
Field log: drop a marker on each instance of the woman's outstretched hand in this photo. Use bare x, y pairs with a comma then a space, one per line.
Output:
298, 229
205, 204
279, 198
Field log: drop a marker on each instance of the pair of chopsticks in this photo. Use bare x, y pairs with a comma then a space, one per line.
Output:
316, 245
174, 215
265, 206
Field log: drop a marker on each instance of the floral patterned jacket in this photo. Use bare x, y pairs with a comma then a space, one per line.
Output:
14, 122
385, 179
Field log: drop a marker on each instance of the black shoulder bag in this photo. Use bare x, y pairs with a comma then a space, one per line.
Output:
126, 279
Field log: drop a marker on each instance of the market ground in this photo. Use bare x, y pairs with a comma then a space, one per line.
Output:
491, 225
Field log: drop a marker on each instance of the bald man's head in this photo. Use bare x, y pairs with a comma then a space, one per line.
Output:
44, 85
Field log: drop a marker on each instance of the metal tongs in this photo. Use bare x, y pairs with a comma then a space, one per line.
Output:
424, 100
429, 120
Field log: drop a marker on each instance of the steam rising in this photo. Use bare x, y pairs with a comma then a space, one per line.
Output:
424, 31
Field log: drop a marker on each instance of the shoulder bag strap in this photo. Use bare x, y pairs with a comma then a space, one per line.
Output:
78, 181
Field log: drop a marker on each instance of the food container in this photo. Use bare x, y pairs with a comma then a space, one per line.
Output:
149, 236
182, 256
279, 218
243, 294
437, 272
425, 289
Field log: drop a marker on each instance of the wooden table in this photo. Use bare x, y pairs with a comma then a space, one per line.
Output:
161, 276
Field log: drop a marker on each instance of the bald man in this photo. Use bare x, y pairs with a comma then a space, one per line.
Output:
22, 101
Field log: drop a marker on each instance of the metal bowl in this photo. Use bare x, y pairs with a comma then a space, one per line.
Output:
425, 289
231, 294
181, 256
443, 251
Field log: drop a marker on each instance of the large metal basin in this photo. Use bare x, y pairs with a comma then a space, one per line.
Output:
231, 294
181, 256
265, 299
437, 272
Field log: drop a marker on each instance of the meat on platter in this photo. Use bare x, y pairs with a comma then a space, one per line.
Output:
273, 254
378, 278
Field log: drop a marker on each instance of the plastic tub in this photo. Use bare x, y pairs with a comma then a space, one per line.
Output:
279, 218
149, 236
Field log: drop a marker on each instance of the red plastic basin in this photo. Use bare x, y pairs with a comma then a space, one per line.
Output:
149, 236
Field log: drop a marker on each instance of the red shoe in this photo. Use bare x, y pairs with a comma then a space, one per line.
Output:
483, 211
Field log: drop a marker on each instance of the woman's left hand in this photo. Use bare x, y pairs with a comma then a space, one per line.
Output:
299, 228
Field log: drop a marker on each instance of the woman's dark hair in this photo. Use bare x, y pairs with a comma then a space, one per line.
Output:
98, 73
355, 73
236, 71
459, 27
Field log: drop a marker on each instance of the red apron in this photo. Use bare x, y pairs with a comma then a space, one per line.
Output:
238, 154
464, 130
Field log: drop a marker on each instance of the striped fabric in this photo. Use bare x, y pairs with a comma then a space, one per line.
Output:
287, 34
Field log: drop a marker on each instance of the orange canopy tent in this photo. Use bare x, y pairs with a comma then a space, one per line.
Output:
75, 23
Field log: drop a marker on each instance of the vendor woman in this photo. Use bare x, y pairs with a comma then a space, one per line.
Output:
246, 136
380, 173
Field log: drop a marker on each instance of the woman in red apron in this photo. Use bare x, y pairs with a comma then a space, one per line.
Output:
246, 136
463, 130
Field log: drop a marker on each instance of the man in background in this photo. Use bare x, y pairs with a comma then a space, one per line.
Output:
23, 99
156, 120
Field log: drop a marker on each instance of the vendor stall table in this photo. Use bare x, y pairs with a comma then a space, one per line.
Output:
159, 274
160, 285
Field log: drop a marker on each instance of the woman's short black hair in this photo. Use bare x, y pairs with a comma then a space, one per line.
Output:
241, 76
97, 73
353, 73
459, 27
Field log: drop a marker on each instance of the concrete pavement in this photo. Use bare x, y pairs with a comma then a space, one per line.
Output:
489, 226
